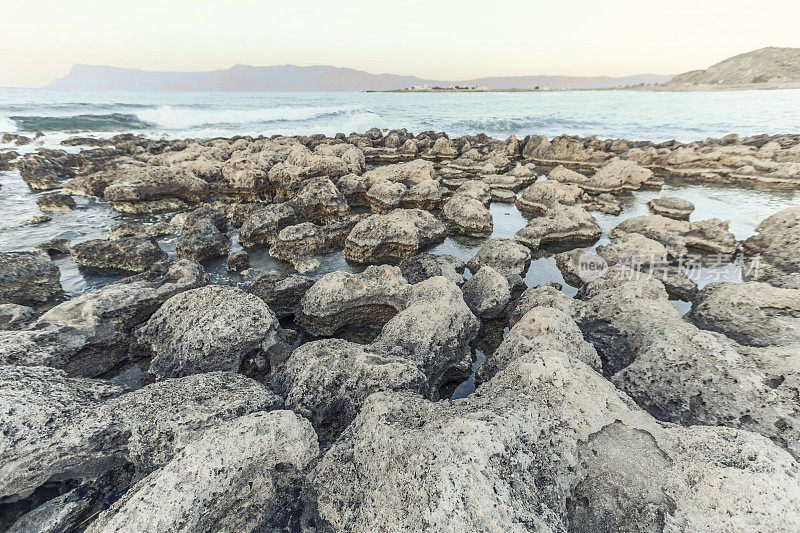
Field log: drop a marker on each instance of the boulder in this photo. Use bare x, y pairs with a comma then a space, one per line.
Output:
238, 262
89, 335
617, 176
301, 244
41, 172
385, 196
672, 207
154, 189
281, 292
443, 148
777, 245
467, 216
752, 313
133, 254
393, 236
202, 235
563, 224
677, 235
506, 256
423, 266
243, 475
487, 293
261, 228
319, 201
538, 198
55, 203
27, 279
15, 316
208, 329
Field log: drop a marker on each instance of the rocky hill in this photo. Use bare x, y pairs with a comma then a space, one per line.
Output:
766, 66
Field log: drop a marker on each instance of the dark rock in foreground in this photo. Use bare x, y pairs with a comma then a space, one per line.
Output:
26, 278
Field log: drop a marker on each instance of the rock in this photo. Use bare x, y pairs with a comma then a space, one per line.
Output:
545, 445
53, 423
617, 176
605, 203
538, 198
27, 279
89, 335
55, 203
153, 189
540, 329
672, 207
38, 219
238, 262
282, 292
545, 295
711, 235
503, 195
563, 224
134, 254
423, 266
318, 200
261, 228
443, 148
506, 256
243, 475
424, 195
393, 237
752, 313
385, 196
41, 172
54, 247
201, 235
208, 329
777, 245
338, 299
15, 316
301, 244
468, 216
487, 293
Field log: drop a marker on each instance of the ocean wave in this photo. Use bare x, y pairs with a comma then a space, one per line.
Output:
7, 125
90, 122
183, 118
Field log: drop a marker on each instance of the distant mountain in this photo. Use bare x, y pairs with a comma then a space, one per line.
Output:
768, 66
315, 78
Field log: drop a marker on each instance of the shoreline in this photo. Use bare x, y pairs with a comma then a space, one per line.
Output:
648, 88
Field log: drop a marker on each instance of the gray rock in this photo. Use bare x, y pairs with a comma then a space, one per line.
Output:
711, 235
467, 216
133, 254
281, 292
562, 224
539, 197
89, 335
487, 293
545, 445
302, 244
672, 207
243, 475
202, 235
15, 316
393, 237
617, 176
506, 256
545, 295
26, 278
423, 266
41, 172
319, 201
208, 329
54, 247
752, 313
158, 229
261, 228
55, 203
238, 262
60, 428
777, 245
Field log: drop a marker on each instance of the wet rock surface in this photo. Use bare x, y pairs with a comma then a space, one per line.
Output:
26, 278
672, 207
132, 254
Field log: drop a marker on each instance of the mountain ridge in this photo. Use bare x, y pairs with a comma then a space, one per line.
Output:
287, 78
766, 66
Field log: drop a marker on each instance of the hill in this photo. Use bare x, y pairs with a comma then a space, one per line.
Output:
313, 78
767, 66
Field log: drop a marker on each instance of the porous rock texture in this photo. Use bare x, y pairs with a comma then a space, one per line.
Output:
132, 254
562, 224
393, 237
777, 246
27, 279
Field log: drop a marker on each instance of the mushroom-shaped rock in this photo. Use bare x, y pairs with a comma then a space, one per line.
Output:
134, 254
27, 279
672, 207
563, 224
541, 196
393, 236
208, 329
300, 244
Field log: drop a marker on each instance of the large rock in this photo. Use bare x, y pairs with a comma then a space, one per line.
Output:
261, 228
89, 335
467, 215
546, 446
539, 197
202, 235
243, 475
26, 278
153, 189
320, 201
133, 254
752, 313
507, 256
777, 245
55, 203
616, 176
58, 428
208, 329
41, 172
302, 244
672, 207
281, 292
711, 235
393, 237
15, 316
563, 224
487, 293
423, 266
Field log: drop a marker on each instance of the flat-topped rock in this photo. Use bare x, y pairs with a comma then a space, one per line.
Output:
132, 254
672, 207
541, 196
27, 279
711, 235
563, 224
393, 236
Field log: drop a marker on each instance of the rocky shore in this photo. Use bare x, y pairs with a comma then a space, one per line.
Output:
294, 401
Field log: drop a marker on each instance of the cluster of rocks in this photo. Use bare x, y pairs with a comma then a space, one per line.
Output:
161, 402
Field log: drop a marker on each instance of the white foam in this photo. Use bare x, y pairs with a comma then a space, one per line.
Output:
181, 118
7, 125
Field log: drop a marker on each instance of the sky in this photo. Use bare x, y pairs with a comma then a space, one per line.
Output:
40, 40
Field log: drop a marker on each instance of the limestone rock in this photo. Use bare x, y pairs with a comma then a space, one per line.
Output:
672, 207
564, 224
26, 278
506, 256
134, 254
55, 203
487, 293
282, 292
15, 316
261, 228
777, 243
393, 237
423, 266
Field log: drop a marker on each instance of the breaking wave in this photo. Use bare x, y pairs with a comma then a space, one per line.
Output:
106, 122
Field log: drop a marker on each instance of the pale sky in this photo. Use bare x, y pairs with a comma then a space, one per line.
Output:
40, 40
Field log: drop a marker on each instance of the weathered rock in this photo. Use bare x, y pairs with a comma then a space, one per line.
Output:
487, 293
202, 235
282, 292
545, 445
672, 207
15, 316
38, 219
54, 247
393, 237
385, 196
26, 278
506, 256
711, 235
122, 231
318, 200
467, 215
53, 424
208, 329
89, 335
777, 244
41, 172
538, 198
238, 262
55, 203
243, 475
301, 244
752, 313
563, 224
423, 266
443, 148
154, 189
261, 228
617, 176
133, 254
